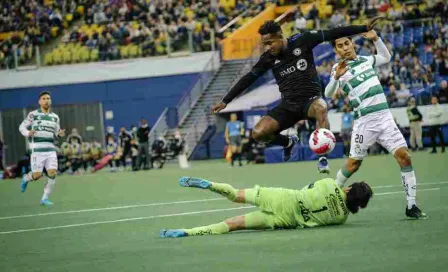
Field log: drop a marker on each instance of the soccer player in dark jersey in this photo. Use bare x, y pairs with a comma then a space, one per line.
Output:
292, 62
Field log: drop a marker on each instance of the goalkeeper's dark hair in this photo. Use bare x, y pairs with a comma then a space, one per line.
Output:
44, 93
270, 27
358, 196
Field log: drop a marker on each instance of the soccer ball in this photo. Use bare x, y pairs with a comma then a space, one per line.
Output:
322, 141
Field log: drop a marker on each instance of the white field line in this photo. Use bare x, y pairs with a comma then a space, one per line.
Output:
158, 216
169, 203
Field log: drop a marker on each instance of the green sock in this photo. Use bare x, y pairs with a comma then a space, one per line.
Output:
224, 190
219, 228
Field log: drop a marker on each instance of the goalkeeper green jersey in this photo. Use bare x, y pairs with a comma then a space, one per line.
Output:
321, 203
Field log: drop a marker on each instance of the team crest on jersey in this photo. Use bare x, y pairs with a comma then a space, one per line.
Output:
357, 149
302, 64
297, 52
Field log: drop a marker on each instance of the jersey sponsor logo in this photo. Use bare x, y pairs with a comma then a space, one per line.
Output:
365, 75
341, 201
288, 71
297, 52
302, 64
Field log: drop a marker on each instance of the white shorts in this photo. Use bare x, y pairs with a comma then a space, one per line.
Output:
39, 160
382, 130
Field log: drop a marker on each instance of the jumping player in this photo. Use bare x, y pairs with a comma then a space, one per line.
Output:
356, 76
292, 63
321, 203
41, 126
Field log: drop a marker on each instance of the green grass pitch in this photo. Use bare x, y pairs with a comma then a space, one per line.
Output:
110, 222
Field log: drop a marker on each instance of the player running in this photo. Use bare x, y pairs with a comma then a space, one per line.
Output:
356, 76
41, 126
321, 203
292, 63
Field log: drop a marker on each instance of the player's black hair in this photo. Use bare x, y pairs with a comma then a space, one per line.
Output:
44, 93
358, 196
269, 27
333, 42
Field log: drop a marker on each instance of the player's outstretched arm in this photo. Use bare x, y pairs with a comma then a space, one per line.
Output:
383, 55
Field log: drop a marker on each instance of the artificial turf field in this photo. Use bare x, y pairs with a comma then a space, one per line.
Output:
110, 222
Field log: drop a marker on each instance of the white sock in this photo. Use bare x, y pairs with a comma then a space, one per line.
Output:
29, 176
49, 186
341, 177
410, 185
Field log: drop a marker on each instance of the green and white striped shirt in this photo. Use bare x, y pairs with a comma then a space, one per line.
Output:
361, 83
46, 127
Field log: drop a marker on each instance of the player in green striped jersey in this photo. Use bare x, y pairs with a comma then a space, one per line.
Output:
41, 127
320, 203
357, 78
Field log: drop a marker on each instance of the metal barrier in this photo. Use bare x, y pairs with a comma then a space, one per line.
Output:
160, 127
192, 96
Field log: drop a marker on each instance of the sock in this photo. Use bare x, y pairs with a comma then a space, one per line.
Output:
410, 185
29, 176
342, 176
233, 158
281, 140
225, 190
219, 228
239, 158
49, 186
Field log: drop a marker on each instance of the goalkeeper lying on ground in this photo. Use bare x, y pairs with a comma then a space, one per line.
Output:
319, 204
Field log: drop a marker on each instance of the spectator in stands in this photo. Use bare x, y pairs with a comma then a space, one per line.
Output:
443, 92
56, 18
415, 125
337, 19
403, 95
7, 57
143, 144
392, 96
89, 17
314, 15
435, 121
300, 22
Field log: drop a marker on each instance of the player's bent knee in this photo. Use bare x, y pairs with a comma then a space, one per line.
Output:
52, 174
403, 157
37, 175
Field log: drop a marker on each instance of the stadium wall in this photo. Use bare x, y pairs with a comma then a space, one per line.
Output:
127, 90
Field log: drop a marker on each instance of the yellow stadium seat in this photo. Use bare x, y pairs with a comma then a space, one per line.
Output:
133, 51
80, 9
94, 55
54, 31
84, 54
66, 56
69, 17
57, 57
124, 52
310, 24
76, 55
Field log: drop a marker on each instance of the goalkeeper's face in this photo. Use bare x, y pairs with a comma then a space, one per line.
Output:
45, 101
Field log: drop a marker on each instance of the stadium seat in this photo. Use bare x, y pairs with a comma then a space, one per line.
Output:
84, 54
80, 10
94, 55
48, 59
57, 57
133, 50
124, 52
66, 56
54, 31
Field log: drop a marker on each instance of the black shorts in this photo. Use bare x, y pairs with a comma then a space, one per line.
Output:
287, 115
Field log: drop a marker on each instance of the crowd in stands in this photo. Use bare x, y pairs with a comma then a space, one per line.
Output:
26, 24
127, 29
418, 42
